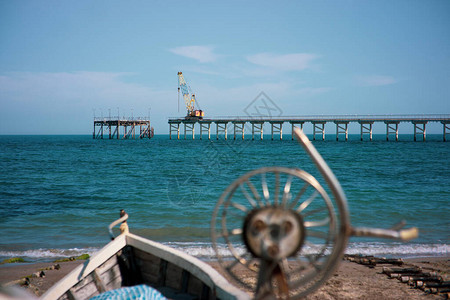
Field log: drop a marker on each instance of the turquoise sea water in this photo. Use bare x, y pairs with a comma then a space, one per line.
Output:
59, 193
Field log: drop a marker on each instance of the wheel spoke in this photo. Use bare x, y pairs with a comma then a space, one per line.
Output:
236, 231
277, 188
249, 265
299, 195
265, 188
286, 191
254, 192
233, 264
317, 223
307, 202
312, 259
239, 206
314, 211
225, 233
247, 196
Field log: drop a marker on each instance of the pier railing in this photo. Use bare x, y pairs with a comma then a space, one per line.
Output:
122, 119
332, 118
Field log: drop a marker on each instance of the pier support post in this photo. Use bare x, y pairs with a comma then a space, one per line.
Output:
277, 127
366, 127
207, 126
129, 133
420, 128
189, 126
98, 134
118, 128
391, 128
258, 125
174, 126
341, 127
221, 127
293, 123
446, 126
238, 128
100, 131
318, 126
145, 130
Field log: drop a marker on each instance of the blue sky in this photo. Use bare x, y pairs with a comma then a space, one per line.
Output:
62, 60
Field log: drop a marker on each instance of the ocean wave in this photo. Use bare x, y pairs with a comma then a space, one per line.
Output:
205, 251
397, 249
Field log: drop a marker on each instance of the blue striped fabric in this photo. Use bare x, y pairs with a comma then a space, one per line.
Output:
138, 292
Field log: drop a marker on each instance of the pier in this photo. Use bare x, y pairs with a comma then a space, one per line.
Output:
122, 128
341, 122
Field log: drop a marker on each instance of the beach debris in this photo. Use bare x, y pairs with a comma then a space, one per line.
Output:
431, 282
52, 267
37, 274
372, 261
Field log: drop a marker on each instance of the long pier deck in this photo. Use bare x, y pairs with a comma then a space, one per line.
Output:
366, 122
112, 127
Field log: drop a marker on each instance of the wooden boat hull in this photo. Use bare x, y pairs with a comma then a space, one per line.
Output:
131, 260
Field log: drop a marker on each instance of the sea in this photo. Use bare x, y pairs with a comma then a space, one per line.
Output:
58, 194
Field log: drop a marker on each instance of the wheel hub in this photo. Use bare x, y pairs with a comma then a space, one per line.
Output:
273, 233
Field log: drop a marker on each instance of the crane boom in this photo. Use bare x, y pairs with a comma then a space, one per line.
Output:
189, 98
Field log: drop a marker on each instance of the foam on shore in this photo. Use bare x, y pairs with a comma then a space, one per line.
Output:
205, 251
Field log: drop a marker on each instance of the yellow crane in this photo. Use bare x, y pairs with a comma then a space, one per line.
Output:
189, 99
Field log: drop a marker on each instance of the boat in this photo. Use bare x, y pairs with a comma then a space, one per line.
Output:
294, 232
131, 260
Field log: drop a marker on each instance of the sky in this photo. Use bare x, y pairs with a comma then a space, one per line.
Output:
62, 62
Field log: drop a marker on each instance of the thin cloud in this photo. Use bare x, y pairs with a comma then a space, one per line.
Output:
286, 62
376, 80
202, 54
64, 102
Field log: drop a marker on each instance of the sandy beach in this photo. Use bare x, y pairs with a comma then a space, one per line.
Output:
349, 281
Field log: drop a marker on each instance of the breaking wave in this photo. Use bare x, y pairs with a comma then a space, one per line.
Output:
205, 251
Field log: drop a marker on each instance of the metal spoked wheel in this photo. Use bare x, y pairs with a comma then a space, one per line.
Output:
280, 225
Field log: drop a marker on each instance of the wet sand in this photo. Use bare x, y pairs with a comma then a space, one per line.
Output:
349, 281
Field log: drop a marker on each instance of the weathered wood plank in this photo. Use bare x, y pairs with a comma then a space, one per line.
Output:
80, 285
146, 256
98, 282
110, 263
111, 276
174, 276
150, 278
86, 291
195, 286
149, 265
116, 283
